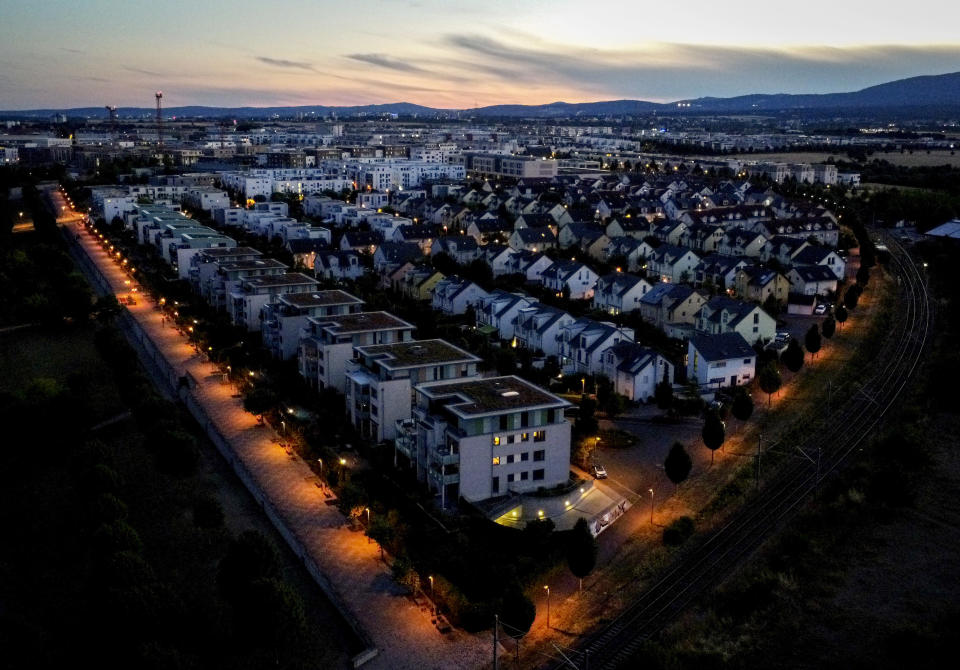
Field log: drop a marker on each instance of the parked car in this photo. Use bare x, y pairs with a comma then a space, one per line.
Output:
598, 471
820, 309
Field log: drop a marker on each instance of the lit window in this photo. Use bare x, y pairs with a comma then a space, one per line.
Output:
525, 437
496, 441
496, 460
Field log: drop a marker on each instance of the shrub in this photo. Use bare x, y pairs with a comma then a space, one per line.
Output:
207, 513
678, 531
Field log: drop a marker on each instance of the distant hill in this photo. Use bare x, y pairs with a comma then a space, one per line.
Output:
940, 91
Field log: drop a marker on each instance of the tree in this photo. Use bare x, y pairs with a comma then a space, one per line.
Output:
812, 340
586, 422
770, 380
852, 297
828, 327
863, 276
258, 401
840, 314
713, 433
581, 550
793, 356
663, 394
517, 611
742, 406
250, 557
678, 464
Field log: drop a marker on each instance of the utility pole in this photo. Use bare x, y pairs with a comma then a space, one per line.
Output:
759, 441
496, 628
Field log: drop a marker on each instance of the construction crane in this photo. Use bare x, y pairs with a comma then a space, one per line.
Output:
112, 114
159, 96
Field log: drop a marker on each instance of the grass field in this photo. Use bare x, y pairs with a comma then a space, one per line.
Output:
917, 159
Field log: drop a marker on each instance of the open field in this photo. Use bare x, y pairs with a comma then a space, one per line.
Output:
919, 158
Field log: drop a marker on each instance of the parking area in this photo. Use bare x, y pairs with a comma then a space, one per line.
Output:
798, 325
632, 471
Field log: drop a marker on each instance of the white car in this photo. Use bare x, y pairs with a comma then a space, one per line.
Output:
598, 472
820, 309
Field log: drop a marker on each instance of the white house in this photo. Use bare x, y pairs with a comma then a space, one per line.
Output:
571, 276
720, 360
538, 328
635, 370
583, 342
812, 280
619, 292
672, 263
453, 295
499, 309
721, 314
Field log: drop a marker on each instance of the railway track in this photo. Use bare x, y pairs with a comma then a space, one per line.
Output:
831, 441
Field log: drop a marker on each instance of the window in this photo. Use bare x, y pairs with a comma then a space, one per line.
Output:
511, 439
496, 460
525, 456
756, 319
539, 435
747, 361
524, 476
525, 419
503, 422
495, 485
509, 458
510, 478
524, 437
538, 475
539, 455
496, 440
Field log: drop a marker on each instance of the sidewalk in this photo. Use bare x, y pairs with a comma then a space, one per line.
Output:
350, 564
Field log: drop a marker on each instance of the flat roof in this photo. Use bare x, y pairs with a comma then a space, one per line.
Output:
492, 395
360, 322
234, 251
281, 280
250, 263
416, 353
317, 298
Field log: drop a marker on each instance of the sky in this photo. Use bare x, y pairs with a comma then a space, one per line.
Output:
458, 54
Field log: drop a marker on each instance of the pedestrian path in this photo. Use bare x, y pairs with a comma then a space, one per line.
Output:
348, 562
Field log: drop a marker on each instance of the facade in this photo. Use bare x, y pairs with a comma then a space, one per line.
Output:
282, 321
583, 342
671, 307
380, 381
246, 302
635, 370
570, 276
812, 280
454, 295
485, 438
499, 310
618, 292
725, 315
758, 284
326, 344
716, 361
537, 328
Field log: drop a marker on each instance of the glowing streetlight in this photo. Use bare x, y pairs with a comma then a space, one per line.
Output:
651, 505
547, 589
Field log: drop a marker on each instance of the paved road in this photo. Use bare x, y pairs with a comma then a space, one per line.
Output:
400, 630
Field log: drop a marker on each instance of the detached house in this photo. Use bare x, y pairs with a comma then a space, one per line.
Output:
812, 280
572, 276
454, 295
672, 263
497, 312
461, 248
671, 307
758, 284
618, 292
811, 255
741, 242
533, 239
583, 342
337, 265
538, 328
719, 270
721, 314
636, 370
720, 360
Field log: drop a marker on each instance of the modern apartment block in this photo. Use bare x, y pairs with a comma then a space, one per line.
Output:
255, 292
485, 438
326, 344
282, 321
381, 379
222, 278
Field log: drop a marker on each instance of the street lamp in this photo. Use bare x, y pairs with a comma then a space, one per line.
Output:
651, 505
583, 386
547, 589
320, 461
430, 577
367, 510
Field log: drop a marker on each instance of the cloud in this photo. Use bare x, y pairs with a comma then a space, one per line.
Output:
73, 51
670, 71
384, 61
137, 70
279, 62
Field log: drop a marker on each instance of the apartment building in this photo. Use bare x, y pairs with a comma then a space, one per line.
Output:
326, 344
380, 380
247, 301
485, 438
282, 321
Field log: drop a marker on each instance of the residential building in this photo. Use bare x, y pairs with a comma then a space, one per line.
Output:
583, 342
246, 301
454, 295
812, 280
497, 312
635, 370
326, 344
672, 308
672, 263
758, 284
381, 379
537, 328
619, 292
721, 314
484, 438
716, 361
282, 321
570, 278
337, 265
